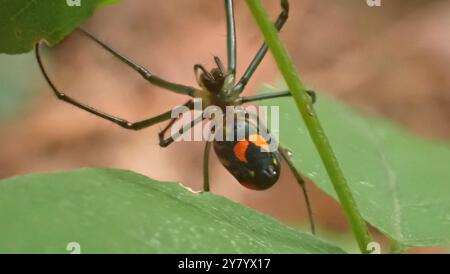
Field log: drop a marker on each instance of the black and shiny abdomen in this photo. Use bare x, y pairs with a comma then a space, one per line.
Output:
250, 160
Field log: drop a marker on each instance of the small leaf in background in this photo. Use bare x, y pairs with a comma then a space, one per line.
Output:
25, 22
112, 211
401, 182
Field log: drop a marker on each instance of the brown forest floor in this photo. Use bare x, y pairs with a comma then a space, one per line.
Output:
393, 61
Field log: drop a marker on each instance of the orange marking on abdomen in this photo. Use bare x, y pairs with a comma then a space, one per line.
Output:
259, 141
240, 149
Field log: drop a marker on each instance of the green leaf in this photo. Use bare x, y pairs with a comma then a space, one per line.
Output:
400, 182
25, 22
111, 211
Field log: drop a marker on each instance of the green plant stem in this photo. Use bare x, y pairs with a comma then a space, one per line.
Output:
287, 68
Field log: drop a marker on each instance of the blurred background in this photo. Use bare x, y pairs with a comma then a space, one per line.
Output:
392, 60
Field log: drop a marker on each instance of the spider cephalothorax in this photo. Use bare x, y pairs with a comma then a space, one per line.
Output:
216, 85
213, 80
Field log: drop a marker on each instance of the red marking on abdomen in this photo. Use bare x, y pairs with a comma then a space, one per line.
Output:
240, 150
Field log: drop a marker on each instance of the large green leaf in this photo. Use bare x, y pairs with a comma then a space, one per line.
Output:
401, 182
25, 22
112, 211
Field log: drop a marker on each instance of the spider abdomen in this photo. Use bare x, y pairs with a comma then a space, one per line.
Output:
250, 160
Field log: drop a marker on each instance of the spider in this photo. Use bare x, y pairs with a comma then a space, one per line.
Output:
248, 159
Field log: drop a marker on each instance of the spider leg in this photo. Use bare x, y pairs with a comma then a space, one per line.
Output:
147, 75
168, 141
276, 94
190, 105
231, 36
206, 154
287, 157
279, 23
116, 120
207, 74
